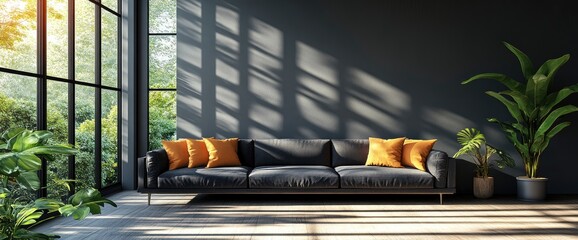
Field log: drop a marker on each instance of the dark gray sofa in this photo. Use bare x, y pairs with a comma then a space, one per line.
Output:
298, 166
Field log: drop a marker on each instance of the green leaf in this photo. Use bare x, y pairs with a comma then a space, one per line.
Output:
94, 208
555, 130
503, 79
536, 89
511, 106
504, 160
89, 196
84, 196
553, 116
65, 149
556, 97
551, 67
29, 180
31, 219
512, 136
19, 144
29, 162
42, 134
14, 138
521, 129
80, 213
521, 100
23, 214
30, 141
11, 133
525, 63
471, 140
89, 200
67, 210
48, 204
8, 163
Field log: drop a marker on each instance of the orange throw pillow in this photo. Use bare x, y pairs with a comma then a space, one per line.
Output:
415, 153
198, 153
385, 153
222, 153
177, 153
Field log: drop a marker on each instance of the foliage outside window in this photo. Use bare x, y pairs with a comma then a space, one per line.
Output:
162, 71
19, 77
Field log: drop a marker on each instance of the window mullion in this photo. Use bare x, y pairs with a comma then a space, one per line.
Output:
41, 84
71, 93
98, 99
119, 94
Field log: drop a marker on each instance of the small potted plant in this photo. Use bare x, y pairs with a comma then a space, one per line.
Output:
534, 107
474, 145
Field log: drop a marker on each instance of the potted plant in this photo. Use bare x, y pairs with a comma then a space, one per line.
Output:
533, 106
474, 145
21, 152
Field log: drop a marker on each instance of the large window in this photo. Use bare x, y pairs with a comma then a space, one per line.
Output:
59, 70
162, 71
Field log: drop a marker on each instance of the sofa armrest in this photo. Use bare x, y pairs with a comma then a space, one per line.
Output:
157, 162
437, 165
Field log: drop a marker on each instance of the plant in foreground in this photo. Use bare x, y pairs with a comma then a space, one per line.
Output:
21, 154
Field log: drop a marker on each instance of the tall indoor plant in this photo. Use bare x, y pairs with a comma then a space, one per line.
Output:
533, 106
21, 154
475, 146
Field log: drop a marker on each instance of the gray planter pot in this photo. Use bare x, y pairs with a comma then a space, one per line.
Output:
531, 189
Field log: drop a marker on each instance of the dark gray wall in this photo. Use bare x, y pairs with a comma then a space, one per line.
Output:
354, 69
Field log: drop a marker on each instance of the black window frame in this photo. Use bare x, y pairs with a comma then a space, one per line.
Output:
146, 25
42, 78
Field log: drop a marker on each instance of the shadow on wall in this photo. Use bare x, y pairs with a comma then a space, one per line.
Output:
241, 76
283, 70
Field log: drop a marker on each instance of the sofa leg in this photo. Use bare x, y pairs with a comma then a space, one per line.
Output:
441, 199
149, 199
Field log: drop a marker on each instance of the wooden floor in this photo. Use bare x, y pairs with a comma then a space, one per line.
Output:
323, 217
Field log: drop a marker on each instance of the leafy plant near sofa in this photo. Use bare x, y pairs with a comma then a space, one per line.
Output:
21, 152
474, 145
533, 107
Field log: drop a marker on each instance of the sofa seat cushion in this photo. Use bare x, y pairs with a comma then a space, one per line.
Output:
361, 176
221, 177
295, 176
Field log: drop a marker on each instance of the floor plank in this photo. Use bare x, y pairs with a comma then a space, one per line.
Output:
323, 217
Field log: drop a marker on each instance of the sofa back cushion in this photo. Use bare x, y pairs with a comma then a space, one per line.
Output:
246, 152
292, 152
349, 152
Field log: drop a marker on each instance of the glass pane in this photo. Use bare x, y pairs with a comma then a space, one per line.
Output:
162, 117
57, 39
17, 101
109, 49
162, 16
112, 4
84, 40
84, 124
109, 137
57, 95
163, 62
18, 35
18, 109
